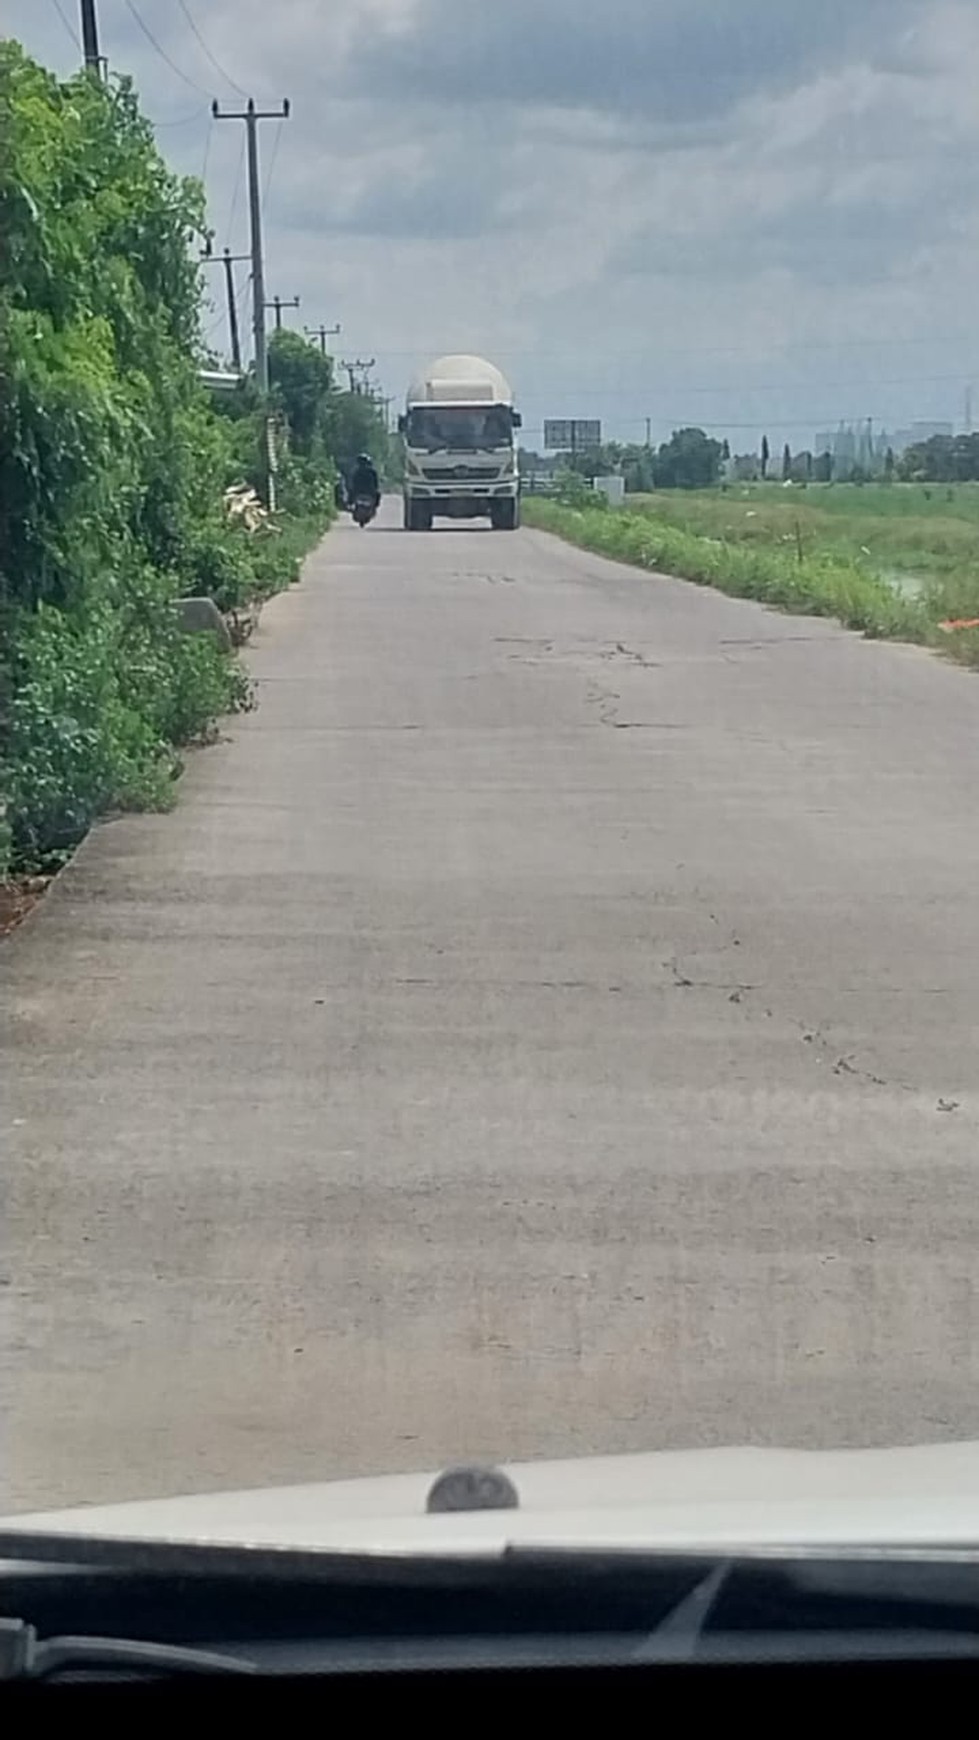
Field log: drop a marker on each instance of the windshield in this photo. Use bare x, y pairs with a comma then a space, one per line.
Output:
489, 968
459, 426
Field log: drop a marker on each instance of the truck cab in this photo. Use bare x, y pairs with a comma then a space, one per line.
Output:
460, 456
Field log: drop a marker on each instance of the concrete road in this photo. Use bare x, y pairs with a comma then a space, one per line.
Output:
547, 1026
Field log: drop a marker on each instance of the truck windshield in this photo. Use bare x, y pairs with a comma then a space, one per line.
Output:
459, 426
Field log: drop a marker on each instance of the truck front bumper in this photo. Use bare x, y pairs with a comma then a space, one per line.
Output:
426, 490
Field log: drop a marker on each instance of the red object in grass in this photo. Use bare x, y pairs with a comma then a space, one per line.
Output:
959, 622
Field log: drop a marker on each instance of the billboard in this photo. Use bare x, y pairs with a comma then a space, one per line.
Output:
574, 434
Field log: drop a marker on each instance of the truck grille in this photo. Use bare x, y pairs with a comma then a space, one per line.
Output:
462, 473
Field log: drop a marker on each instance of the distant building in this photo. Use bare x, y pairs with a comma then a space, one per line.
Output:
918, 432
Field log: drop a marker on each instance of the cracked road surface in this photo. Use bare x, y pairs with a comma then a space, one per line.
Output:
458, 1072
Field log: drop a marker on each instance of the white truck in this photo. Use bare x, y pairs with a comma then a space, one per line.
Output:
460, 457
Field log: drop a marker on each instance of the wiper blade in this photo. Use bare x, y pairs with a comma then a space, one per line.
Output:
25, 1656
684, 1625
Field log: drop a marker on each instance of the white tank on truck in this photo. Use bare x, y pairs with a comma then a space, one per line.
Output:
460, 454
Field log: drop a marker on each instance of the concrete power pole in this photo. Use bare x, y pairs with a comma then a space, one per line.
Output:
229, 282
278, 303
357, 373
251, 117
90, 39
229, 261
323, 333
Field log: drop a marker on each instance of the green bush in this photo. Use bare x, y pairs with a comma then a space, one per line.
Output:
113, 464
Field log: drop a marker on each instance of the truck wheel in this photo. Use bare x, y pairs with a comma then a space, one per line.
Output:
505, 515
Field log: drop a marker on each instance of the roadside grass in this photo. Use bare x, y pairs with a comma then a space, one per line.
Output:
892, 561
898, 529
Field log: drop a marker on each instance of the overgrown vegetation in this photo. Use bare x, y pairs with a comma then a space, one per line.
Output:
114, 463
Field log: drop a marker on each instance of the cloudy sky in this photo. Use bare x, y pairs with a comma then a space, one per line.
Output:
747, 214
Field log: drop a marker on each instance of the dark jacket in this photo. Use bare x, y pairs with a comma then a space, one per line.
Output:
364, 481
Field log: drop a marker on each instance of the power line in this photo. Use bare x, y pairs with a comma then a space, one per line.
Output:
68, 26
185, 9
745, 388
147, 32
235, 191
210, 330
207, 149
772, 423
587, 345
177, 120
268, 173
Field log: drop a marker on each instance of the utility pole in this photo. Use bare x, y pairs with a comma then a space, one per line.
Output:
229, 280
323, 333
362, 368
229, 260
251, 117
278, 304
90, 39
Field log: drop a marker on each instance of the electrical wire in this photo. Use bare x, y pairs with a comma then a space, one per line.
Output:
178, 120
744, 389
147, 32
271, 167
661, 420
235, 191
185, 9
71, 31
207, 146
588, 347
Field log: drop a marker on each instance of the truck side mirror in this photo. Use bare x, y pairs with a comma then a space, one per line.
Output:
402, 425
516, 419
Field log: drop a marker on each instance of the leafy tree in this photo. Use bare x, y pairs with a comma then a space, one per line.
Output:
786, 463
301, 378
823, 467
943, 459
765, 455
689, 460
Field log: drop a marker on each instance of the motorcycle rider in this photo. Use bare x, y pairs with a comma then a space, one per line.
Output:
364, 480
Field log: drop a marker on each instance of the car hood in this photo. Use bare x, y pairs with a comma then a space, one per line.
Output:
702, 1500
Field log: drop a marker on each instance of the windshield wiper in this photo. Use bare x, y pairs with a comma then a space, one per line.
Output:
25, 1656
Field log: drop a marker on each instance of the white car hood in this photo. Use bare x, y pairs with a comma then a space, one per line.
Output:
701, 1500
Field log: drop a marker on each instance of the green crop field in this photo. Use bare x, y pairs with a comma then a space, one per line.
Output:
910, 534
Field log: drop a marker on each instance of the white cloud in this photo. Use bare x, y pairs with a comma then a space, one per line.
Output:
722, 210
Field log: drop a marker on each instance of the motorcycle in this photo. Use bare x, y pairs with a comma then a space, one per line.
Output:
363, 510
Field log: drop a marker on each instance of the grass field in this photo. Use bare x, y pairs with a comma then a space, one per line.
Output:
893, 560
910, 534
